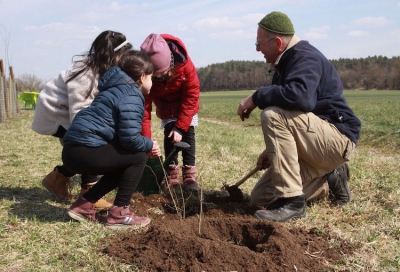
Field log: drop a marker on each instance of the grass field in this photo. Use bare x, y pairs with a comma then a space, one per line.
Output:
36, 235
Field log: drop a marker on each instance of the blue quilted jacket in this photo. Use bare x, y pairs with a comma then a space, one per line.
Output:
115, 115
306, 80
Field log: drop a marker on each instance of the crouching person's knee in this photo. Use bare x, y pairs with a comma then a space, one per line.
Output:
260, 199
271, 113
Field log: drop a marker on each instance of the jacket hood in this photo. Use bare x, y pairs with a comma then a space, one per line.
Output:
114, 77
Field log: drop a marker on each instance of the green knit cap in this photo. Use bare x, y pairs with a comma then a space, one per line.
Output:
277, 22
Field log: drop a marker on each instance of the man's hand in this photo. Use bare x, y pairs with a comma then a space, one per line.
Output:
263, 162
246, 106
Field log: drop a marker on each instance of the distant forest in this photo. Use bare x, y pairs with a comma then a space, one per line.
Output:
376, 72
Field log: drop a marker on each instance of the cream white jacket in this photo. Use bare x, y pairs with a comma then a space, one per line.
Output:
59, 102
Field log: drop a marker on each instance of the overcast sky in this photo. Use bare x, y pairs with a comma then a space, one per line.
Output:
40, 36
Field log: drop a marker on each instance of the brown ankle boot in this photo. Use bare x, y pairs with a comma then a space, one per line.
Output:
172, 178
189, 178
58, 184
101, 204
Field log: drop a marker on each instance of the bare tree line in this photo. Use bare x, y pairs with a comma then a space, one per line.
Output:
376, 72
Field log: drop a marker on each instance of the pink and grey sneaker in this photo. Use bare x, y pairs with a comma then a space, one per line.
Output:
122, 218
82, 210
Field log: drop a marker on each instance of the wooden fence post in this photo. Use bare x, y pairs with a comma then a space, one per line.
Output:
3, 115
13, 93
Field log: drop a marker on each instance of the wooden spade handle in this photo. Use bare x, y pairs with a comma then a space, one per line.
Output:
252, 172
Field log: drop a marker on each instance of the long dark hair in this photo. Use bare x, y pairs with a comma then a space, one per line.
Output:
135, 63
101, 56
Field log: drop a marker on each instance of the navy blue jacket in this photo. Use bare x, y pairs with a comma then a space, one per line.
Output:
115, 115
306, 80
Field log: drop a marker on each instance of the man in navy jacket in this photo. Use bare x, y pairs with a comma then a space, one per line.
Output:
309, 129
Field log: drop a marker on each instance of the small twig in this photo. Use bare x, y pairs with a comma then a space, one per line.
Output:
154, 174
183, 202
201, 207
172, 194
313, 255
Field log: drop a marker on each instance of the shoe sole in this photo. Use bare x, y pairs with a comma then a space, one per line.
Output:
76, 216
122, 226
48, 188
293, 218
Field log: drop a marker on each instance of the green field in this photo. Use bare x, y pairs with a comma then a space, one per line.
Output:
379, 112
36, 235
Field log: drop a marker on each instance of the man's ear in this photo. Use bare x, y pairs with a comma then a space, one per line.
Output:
281, 44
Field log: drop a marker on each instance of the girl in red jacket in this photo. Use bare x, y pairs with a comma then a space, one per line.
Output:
176, 94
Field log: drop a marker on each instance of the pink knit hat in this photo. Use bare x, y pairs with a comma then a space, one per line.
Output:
158, 51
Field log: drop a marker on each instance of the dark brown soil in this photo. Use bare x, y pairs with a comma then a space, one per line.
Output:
225, 238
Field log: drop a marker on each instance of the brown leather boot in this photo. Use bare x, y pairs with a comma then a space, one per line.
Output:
101, 204
58, 184
172, 178
189, 178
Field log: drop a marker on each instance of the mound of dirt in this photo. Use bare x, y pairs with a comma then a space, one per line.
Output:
225, 238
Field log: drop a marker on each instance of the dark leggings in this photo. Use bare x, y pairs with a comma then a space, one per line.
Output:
189, 155
85, 179
120, 168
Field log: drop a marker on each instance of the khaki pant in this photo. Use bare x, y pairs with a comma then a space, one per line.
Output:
302, 149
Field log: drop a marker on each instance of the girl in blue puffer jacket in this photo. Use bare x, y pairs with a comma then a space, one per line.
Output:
105, 139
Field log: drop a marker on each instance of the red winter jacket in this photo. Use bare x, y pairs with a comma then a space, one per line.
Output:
178, 97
